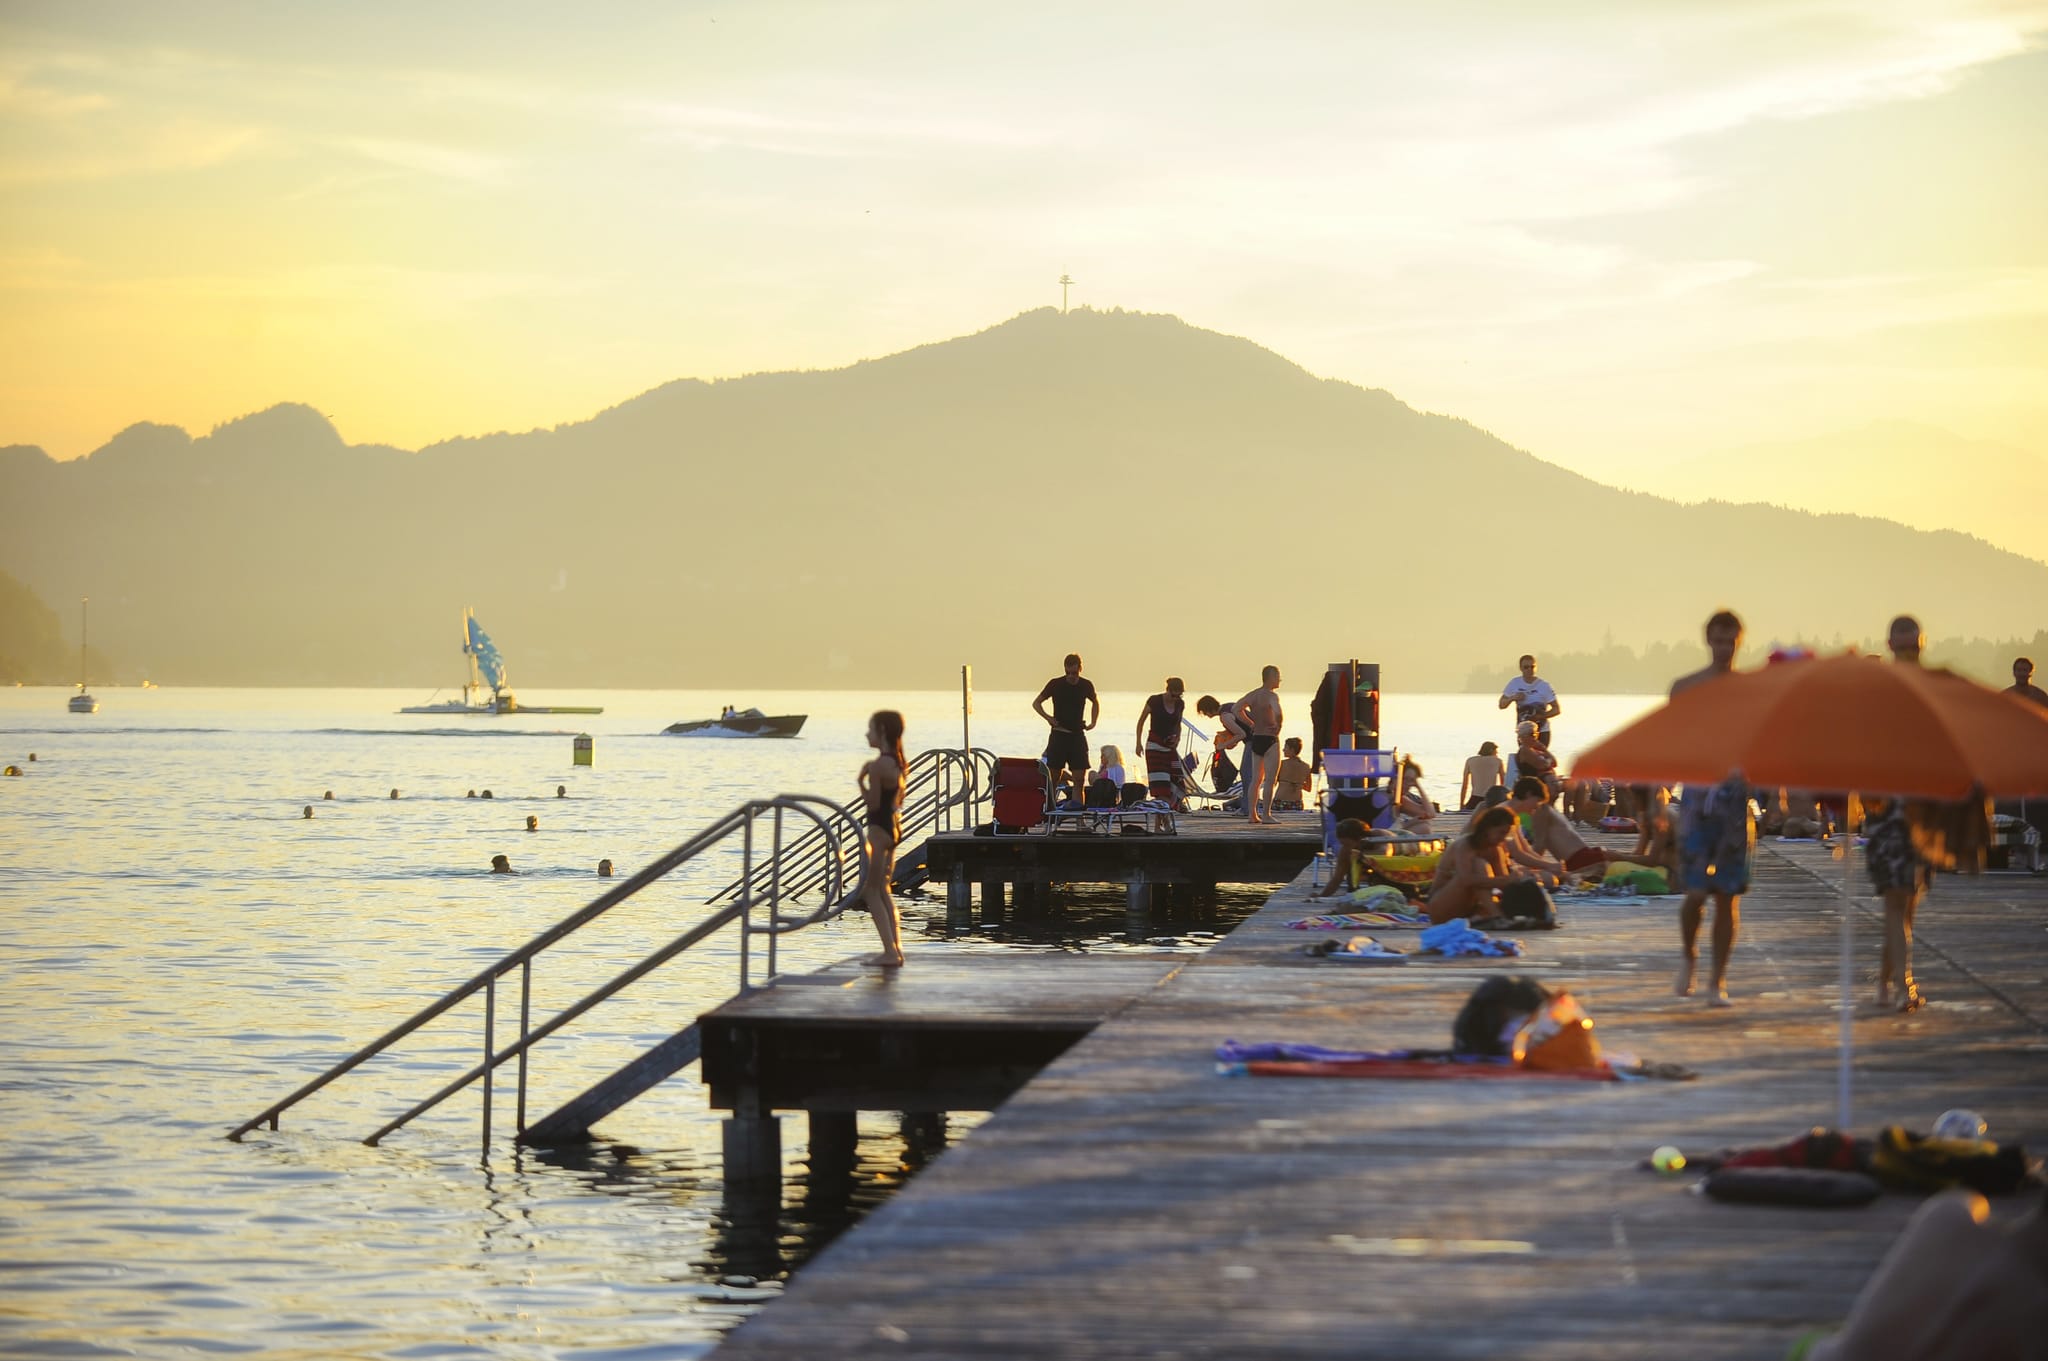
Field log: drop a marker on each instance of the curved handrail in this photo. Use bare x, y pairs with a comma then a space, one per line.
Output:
830, 821
942, 782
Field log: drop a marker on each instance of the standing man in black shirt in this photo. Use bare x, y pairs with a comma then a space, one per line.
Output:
1067, 747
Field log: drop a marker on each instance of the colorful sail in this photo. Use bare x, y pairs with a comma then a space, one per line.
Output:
484, 653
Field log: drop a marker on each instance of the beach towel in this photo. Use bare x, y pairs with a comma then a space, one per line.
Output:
1292, 1059
1458, 937
1361, 921
1357, 950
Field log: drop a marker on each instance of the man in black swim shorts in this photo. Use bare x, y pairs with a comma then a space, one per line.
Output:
1066, 748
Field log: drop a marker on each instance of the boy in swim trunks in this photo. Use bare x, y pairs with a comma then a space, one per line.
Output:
1716, 836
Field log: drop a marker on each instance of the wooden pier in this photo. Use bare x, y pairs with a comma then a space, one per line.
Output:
953, 1034
1130, 1201
1206, 849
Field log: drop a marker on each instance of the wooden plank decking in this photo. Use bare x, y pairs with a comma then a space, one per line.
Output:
1131, 1202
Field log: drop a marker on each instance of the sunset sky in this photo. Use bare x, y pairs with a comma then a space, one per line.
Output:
1617, 235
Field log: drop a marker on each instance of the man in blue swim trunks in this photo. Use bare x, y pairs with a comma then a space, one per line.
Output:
1716, 836
1066, 748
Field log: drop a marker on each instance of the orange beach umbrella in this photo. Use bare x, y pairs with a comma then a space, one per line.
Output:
1827, 723
1847, 723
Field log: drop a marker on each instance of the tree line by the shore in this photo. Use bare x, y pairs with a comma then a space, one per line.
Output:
1615, 669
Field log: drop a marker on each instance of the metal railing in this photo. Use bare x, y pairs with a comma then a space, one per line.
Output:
835, 828
945, 790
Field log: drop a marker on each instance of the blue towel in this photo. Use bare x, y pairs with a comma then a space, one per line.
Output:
1459, 937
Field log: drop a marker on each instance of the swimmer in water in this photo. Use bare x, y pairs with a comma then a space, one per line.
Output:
394, 793
604, 869
561, 791
532, 823
309, 810
487, 793
502, 865
328, 795
470, 795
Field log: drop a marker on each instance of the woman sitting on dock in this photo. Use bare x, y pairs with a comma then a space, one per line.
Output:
881, 792
1473, 870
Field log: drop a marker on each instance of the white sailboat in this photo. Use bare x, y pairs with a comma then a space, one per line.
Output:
82, 702
487, 668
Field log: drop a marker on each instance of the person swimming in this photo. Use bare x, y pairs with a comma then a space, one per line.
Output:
532, 823
328, 795
502, 865
604, 869
394, 793
470, 795
309, 811
486, 794
561, 791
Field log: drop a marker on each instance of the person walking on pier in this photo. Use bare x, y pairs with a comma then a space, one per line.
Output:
1066, 748
1261, 711
1163, 714
881, 792
1716, 836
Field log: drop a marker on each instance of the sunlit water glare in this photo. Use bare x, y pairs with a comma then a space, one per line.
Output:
183, 948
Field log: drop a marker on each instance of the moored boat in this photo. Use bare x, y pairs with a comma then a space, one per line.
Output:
82, 702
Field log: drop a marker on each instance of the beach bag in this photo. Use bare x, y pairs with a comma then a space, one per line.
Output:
1135, 793
1528, 905
1558, 1036
1649, 879
1907, 1161
1222, 773
1103, 794
1487, 1023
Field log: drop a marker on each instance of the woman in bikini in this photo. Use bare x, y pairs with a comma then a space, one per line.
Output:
881, 792
1472, 870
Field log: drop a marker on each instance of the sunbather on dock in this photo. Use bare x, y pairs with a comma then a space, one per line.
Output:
1473, 871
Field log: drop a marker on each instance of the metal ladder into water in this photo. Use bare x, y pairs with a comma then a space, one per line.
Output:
824, 853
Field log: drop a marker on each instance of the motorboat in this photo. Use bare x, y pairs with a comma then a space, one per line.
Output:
83, 702
740, 723
487, 672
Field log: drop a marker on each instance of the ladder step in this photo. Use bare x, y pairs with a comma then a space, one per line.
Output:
571, 1124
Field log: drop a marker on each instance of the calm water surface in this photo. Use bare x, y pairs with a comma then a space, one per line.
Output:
183, 948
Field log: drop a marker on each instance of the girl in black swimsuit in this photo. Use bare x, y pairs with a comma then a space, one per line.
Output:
881, 791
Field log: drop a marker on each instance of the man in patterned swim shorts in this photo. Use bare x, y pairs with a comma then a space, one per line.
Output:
1716, 837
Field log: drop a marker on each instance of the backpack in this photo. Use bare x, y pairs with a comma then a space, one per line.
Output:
1528, 905
1487, 1023
1103, 794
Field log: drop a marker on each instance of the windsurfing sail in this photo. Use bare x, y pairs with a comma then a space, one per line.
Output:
483, 654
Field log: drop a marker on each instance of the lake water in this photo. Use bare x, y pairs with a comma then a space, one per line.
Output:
182, 948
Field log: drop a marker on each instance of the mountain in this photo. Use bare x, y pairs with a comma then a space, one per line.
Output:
1974, 486
1155, 496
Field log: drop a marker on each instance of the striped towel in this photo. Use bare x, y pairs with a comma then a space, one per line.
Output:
1361, 921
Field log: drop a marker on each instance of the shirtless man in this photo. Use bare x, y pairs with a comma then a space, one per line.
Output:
1549, 832
1261, 709
1715, 836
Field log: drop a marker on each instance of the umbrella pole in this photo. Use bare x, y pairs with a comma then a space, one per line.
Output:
1847, 1044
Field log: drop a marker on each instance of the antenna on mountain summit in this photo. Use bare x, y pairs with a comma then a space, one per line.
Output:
1066, 282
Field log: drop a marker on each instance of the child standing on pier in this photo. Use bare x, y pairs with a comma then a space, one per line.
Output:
881, 792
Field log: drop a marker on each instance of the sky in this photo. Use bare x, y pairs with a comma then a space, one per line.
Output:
1620, 236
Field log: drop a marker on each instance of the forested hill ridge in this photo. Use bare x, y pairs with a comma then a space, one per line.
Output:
1617, 670
1153, 495
33, 648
